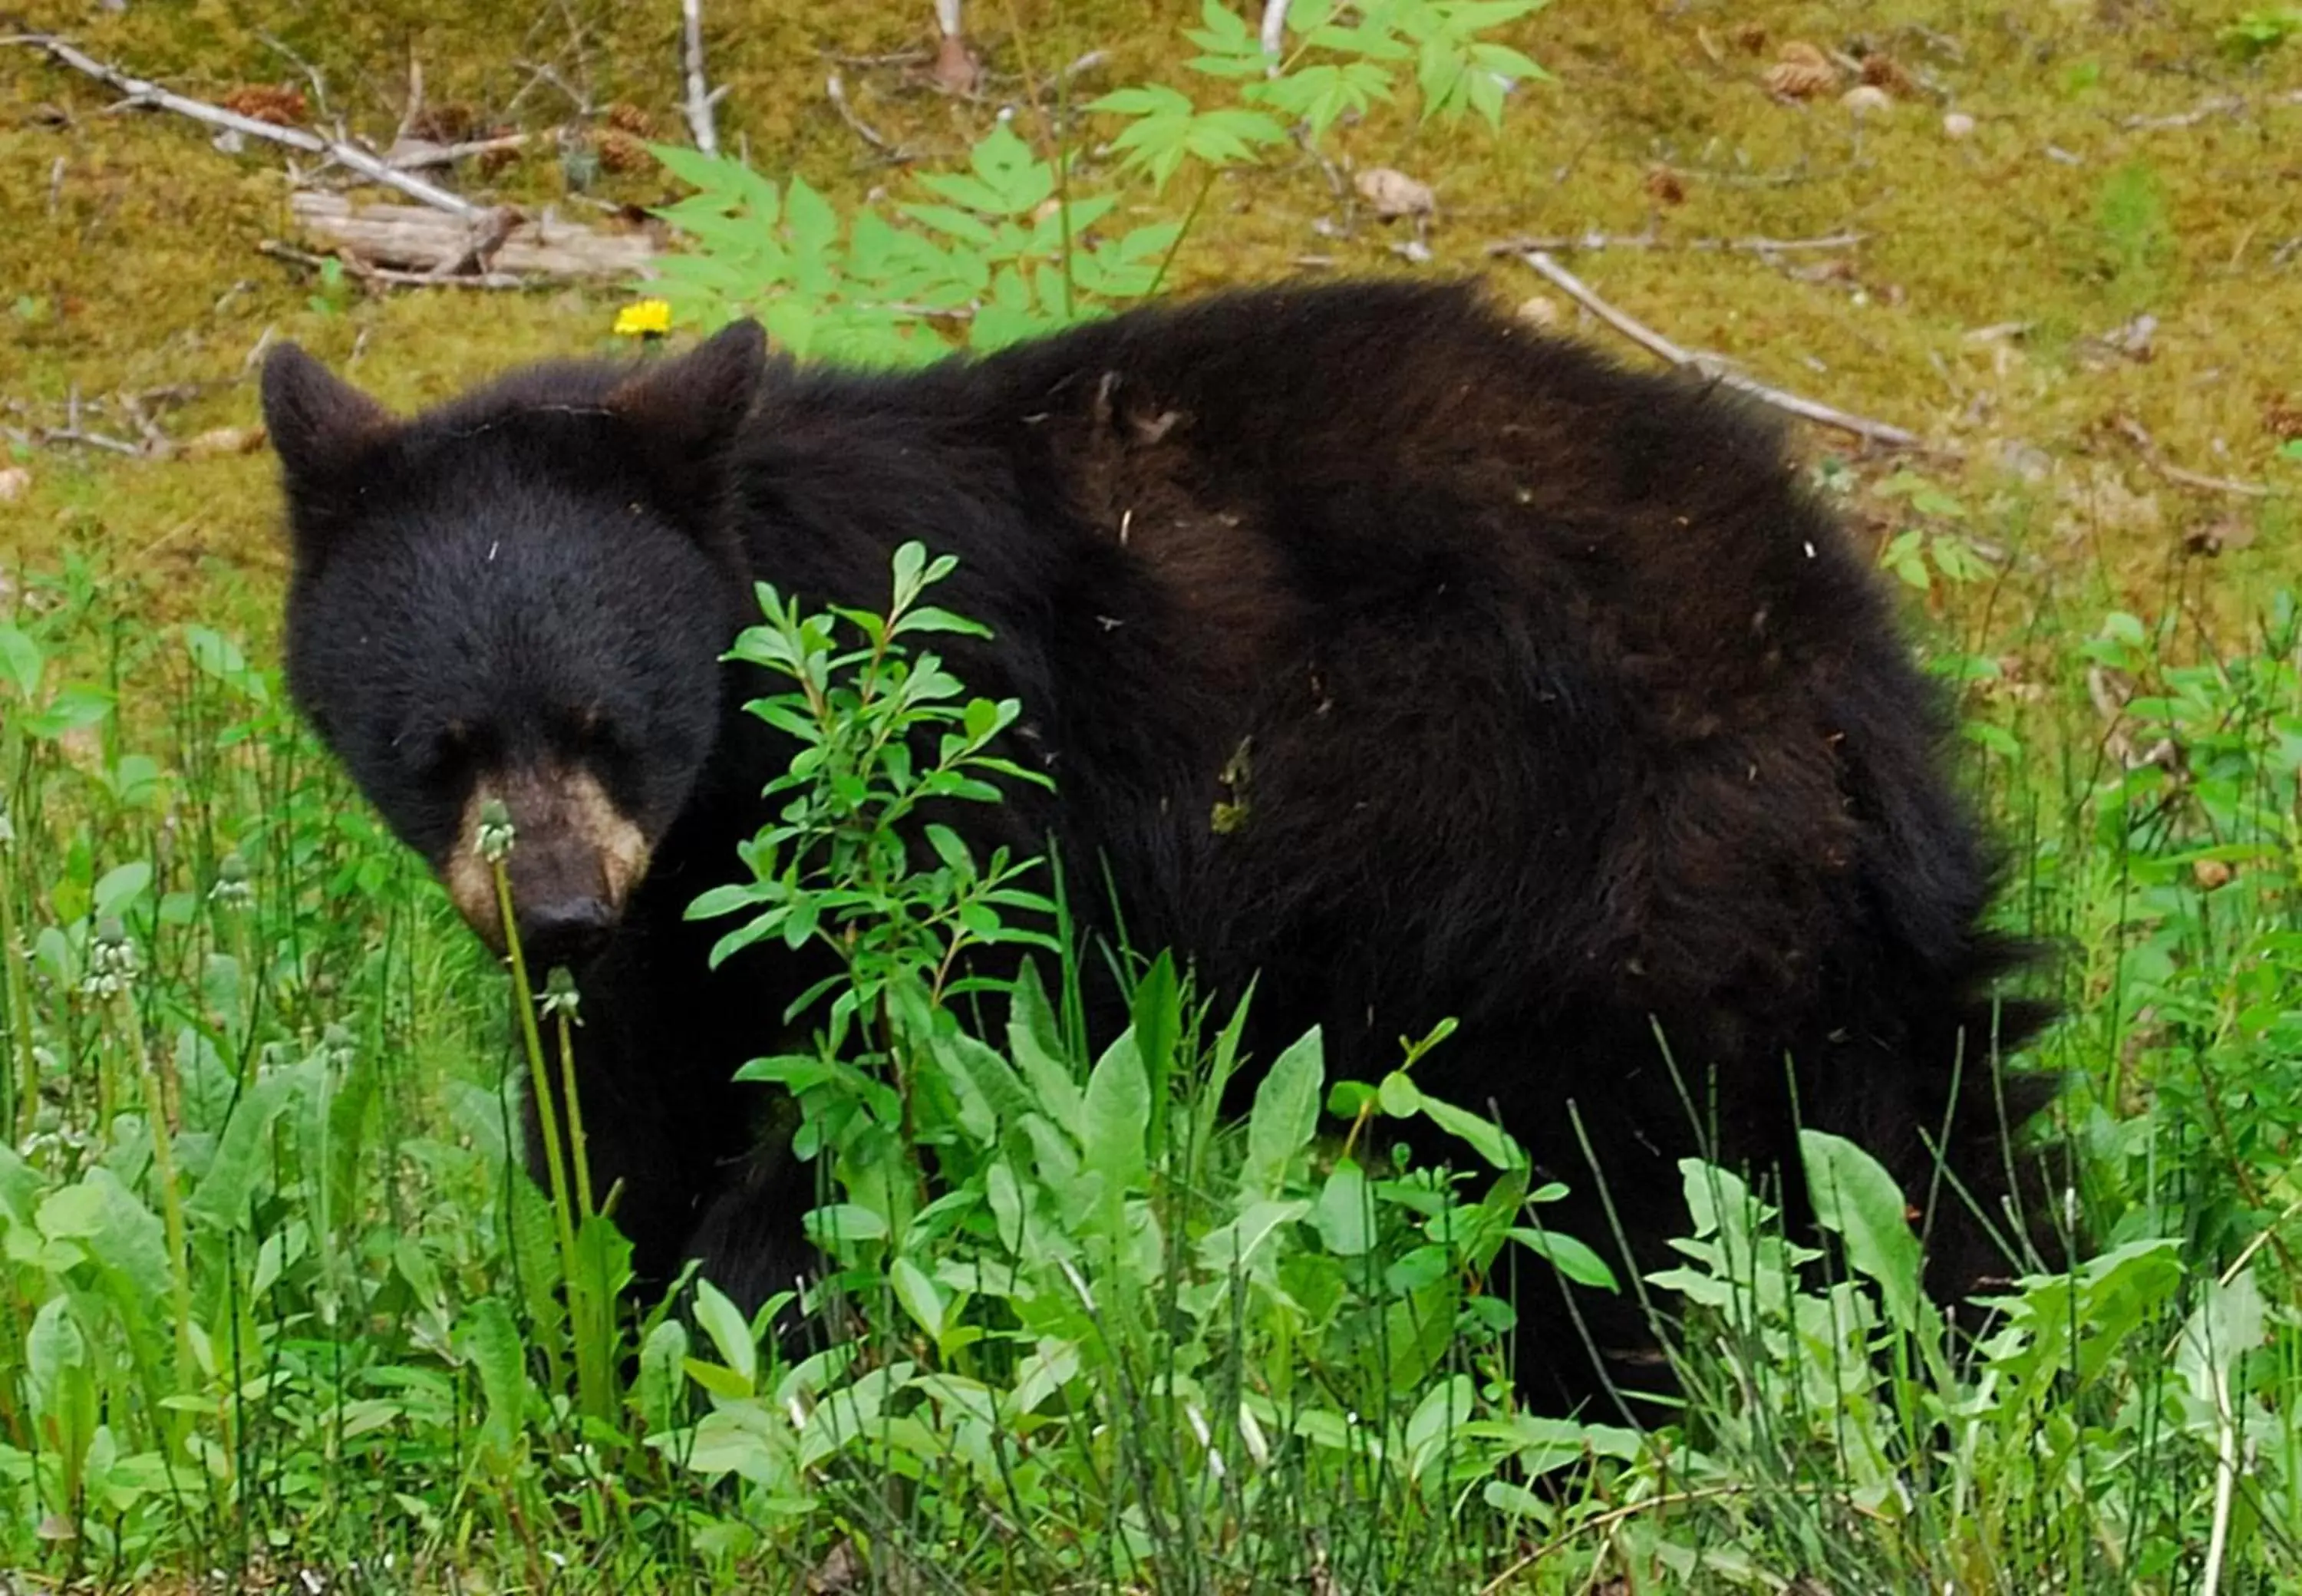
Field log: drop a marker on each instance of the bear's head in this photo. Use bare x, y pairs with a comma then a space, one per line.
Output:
522, 596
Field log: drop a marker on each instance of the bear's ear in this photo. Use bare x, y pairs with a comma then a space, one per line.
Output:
688, 407
318, 422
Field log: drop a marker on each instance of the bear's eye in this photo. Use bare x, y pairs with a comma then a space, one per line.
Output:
443, 754
590, 732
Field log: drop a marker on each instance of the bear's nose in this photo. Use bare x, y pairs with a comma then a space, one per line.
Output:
565, 931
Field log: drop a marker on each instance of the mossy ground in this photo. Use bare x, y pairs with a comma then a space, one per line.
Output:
127, 243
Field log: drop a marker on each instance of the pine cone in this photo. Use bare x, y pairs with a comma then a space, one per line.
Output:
268, 103
620, 152
1802, 73
627, 118
1882, 71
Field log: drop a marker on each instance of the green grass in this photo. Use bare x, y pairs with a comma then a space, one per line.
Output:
341, 1336
275, 1300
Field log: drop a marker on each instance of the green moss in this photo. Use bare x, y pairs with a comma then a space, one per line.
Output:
136, 267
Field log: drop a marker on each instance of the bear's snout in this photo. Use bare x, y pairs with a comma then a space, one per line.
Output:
575, 859
563, 931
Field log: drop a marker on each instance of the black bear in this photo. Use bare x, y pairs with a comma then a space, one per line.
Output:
1570, 716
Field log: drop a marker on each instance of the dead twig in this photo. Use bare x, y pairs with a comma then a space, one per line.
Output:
143, 92
413, 107
1653, 241
1273, 36
836, 89
894, 58
408, 155
1638, 333
700, 97
2136, 433
50, 436
72, 431
2222, 104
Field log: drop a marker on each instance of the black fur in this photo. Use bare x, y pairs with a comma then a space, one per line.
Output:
1566, 714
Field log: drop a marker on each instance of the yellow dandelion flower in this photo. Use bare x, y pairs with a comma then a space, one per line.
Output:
644, 318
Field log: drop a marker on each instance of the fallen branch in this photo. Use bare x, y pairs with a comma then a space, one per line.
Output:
1651, 241
72, 431
837, 91
700, 96
500, 244
141, 91
2134, 432
38, 437
1638, 333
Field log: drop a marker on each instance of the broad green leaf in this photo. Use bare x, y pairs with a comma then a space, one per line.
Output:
1855, 1198
218, 657
1572, 1258
730, 1335
920, 1296
718, 174
1490, 1140
1158, 1014
496, 1351
1401, 1097
1034, 1040
2232, 1322
1343, 1216
843, 1221
1248, 1243
1285, 1114
243, 1158
119, 887
21, 661
54, 1353
657, 1387
1114, 1114
1436, 1424
74, 706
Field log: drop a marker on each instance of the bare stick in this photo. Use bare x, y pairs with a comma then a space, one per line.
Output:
2137, 434
407, 154
837, 91
1638, 333
1651, 241
414, 108
141, 91
700, 97
1274, 31
2229, 105
2222, 106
